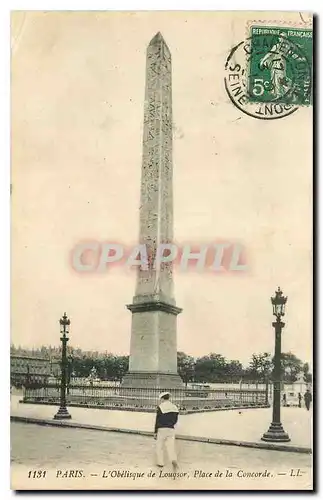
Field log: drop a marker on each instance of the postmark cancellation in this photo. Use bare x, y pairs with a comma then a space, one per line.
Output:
269, 74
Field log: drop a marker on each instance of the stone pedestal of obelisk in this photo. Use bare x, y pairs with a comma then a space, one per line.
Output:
153, 349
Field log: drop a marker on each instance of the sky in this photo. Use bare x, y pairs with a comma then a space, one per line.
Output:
77, 94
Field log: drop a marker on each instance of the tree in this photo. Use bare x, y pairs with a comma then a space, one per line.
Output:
291, 366
121, 367
210, 368
234, 371
108, 364
186, 367
307, 375
260, 367
82, 366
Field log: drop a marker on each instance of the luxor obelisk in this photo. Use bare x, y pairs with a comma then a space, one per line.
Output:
153, 349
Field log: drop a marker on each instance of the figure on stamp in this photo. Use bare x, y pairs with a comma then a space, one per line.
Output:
275, 61
166, 419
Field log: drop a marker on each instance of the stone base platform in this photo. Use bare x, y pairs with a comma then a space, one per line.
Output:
152, 380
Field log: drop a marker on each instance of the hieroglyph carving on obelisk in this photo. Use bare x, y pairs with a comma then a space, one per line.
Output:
153, 350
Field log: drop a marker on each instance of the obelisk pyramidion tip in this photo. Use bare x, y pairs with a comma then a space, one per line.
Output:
158, 38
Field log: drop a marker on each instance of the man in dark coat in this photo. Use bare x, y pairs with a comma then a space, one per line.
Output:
166, 418
299, 400
307, 399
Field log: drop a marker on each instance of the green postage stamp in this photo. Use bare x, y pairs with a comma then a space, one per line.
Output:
280, 65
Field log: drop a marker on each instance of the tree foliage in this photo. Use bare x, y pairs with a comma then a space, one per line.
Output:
185, 367
261, 366
291, 367
212, 367
307, 375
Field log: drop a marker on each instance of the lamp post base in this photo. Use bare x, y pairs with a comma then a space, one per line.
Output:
276, 434
62, 414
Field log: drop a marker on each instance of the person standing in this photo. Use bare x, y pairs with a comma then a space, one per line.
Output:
299, 400
166, 419
307, 399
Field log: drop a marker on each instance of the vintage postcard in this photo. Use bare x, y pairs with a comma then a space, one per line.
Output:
161, 196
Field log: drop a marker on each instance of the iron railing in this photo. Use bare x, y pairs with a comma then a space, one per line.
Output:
145, 399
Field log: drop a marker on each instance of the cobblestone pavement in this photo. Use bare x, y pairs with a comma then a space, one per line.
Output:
53, 449
54, 446
244, 425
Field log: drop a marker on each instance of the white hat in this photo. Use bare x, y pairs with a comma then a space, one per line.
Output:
162, 394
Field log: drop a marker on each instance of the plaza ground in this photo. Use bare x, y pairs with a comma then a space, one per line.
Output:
234, 425
41, 446
56, 450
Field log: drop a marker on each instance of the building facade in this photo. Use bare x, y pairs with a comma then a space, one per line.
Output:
26, 370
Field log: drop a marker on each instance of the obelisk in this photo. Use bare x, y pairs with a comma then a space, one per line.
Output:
153, 348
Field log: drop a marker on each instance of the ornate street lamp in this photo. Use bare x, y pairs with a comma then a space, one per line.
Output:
62, 412
276, 432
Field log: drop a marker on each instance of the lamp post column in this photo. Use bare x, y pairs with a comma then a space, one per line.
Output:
278, 325
276, 431
63, 412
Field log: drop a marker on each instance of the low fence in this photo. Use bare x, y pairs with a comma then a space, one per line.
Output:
146, 399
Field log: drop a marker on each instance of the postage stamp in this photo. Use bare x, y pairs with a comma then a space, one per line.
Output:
269, 75
280, 65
